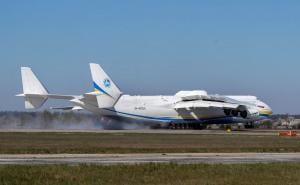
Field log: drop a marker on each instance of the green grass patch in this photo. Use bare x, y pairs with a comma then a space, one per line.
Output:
54, 143
167, 174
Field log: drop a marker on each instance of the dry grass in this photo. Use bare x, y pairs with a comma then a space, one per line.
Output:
167, 174
16, 143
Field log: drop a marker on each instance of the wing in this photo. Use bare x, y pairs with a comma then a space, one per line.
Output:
205, 104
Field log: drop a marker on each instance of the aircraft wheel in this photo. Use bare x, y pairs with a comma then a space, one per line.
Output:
249, 126
171, 126
201, 127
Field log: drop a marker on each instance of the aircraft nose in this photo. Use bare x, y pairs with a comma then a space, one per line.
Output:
265, 110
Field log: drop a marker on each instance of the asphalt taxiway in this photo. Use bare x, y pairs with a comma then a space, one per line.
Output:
179, 158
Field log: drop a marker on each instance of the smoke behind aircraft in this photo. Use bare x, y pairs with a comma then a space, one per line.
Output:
61, 120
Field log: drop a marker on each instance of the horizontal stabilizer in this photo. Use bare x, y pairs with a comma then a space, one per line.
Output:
34, 92
34, 102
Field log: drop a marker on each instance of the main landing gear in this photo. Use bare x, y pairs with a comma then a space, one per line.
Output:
249, 125
178, 126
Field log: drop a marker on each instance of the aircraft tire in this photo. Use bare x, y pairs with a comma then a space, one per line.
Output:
249, 125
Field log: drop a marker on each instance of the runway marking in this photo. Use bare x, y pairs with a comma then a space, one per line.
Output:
179, 158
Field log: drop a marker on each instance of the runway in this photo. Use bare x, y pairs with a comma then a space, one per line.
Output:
179, 158
252, 132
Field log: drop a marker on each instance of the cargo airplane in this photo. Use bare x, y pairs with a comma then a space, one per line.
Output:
185, 109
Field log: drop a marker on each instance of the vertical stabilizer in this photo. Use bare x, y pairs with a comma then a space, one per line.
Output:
34, 92
110, 93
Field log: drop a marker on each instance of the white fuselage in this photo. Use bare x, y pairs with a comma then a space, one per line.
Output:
161, 109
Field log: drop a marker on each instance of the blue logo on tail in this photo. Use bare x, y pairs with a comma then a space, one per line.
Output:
107, 83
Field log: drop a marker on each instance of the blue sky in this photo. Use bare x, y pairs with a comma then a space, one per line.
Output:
154, 47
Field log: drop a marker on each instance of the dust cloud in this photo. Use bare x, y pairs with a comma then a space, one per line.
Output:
62, 120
